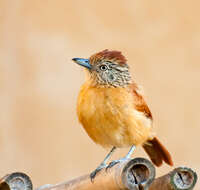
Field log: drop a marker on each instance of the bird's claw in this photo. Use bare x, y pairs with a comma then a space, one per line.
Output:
114, 162
97, 170
111, 164
93, 174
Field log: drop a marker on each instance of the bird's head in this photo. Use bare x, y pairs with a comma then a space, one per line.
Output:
107, 68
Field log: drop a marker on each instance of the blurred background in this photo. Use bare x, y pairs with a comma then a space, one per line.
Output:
40, 134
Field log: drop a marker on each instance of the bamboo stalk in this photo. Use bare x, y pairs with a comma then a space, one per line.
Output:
181, 178
136, 174
16, 181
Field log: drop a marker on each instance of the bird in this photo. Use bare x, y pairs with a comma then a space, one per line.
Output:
112, 109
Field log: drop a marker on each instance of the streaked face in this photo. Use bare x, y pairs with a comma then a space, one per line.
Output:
107, 73
107, 68
110, 73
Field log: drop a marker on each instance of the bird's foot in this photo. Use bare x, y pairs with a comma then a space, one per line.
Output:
114, 162
97, 170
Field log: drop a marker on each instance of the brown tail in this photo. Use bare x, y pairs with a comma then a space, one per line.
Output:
157, 152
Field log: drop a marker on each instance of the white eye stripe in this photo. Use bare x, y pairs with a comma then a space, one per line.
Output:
123, 69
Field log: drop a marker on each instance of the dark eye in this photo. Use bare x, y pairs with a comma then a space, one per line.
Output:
103, 67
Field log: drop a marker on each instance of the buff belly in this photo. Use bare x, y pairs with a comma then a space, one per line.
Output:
109, 117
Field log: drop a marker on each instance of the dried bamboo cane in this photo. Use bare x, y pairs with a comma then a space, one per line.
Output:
136, 174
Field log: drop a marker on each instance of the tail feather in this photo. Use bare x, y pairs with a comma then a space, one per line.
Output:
157, 152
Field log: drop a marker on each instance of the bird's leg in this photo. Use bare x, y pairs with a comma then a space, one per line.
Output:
122, 159
102, 165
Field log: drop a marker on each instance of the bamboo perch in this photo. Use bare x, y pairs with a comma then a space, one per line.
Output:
181, 178
136, 174
16, 181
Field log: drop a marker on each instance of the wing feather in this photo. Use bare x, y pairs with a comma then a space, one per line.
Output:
139, 102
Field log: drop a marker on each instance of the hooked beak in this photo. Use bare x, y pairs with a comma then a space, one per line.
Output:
83, 62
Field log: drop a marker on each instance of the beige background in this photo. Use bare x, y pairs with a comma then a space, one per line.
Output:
39, 131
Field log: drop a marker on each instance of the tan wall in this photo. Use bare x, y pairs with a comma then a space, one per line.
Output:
39, 132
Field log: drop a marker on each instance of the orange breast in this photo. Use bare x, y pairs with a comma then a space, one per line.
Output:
109, 117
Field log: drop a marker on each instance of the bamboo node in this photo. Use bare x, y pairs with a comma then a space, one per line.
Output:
183, 178
138, 174
16, 181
